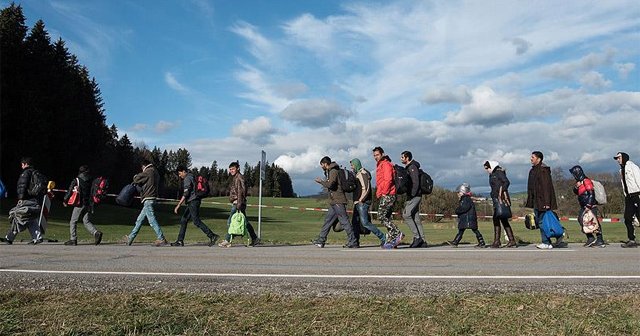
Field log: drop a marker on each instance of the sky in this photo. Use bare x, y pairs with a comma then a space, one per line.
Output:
454, 82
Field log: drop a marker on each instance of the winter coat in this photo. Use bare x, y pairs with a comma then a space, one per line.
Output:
363, 187
24, 181
188, 188
466, 211
237, 190
585, 192
413, 169
149, 181
540, 191
385, 177
630, 179
497, 179
332, 183
85, 189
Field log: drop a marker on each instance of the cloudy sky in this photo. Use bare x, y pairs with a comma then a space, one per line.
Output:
454, 82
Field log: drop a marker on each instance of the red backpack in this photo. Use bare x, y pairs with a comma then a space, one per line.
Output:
202, 187
99, 189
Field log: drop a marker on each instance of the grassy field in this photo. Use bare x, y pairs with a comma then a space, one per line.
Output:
37, 313
279, 226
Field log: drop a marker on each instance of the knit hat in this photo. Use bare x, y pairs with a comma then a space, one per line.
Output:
356, 164
464, 188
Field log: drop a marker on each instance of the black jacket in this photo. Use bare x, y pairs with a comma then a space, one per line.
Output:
85, 189
24, 181
586, 194
413, 169
498, 178
466, 211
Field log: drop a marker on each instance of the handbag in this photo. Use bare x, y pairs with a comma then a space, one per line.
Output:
502, 206
74, 199
590, 223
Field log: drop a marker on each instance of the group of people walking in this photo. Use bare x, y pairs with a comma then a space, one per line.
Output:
541, 198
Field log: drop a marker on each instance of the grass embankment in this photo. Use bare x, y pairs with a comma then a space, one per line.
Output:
279, 226
34, 313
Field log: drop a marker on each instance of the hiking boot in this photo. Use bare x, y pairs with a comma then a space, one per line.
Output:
177, 243
71, 242
590, 242
97, 238
213, 239
544, 246
224, 243
630, 243
127, 240
160, 242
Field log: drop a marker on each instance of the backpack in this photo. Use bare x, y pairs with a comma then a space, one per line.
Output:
426, 183
202, 187
3, 190
238, 225
530, 221
600, 193
99, 188
551, 225
347, 180
401, 179
590, 223
38, 185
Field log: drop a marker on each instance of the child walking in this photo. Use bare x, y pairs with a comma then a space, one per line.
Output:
467, 218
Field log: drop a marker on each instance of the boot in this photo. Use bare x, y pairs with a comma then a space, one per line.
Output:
512, 239
496, 237
481, 243
455, 240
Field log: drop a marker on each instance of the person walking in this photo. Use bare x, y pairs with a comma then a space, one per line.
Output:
29, 205
192, 212
149, 181
587, 200
83, 208
467, 216
362, 201
541, 196
630, 179
337, 205
499, 184
238, 199
386, 193
411, 212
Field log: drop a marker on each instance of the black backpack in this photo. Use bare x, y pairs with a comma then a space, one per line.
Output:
202, 187
99, 188
401, 179
38, 185
347, 180
426, 183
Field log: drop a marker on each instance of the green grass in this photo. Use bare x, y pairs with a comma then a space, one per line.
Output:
40, 313
279, 226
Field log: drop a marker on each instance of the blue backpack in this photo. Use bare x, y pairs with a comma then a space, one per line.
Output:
551, 225
3, 190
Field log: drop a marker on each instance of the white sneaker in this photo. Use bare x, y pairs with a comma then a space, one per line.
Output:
544, 246
224, 243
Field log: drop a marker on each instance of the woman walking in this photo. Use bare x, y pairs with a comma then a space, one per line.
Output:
501, 203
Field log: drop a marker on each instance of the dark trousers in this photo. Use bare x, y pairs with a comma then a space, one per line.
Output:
193, 213
243, 209
580, 220
339, 212
631, 208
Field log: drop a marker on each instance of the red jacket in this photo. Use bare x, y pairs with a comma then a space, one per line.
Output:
384, 177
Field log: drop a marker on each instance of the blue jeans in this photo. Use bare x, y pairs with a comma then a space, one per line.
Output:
234, 209
363, 212
147, 211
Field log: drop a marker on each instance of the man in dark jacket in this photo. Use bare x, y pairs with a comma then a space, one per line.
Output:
238, 199
192, 212
83, 209
337, 204
411, 213
149, 181
541, 195
26, 200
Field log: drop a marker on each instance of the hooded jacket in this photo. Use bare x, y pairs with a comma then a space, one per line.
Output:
85, 189
466, 211
23, 184
332, 183
413, 168
540, 191
149, 181
629, 176
497, 179
385, 174
585, 192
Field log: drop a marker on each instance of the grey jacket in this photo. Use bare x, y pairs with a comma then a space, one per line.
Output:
149, 181
188, 188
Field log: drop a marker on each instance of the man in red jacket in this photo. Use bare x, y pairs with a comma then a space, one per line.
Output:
386, 193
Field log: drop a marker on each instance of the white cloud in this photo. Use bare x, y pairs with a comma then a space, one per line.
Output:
260, 89
595, 80
573, 69
459, 95
315, 113
258, 130
486, 108
173, 83
624, 69
260, 47
162, 126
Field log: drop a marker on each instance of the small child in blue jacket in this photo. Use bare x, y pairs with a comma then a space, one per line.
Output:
467, 217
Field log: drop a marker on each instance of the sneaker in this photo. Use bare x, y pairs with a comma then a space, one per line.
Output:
416, 242
127, 240
590, 242
97, 238
630, 243
254, 242
213, 239
224, 243
599, 243
317, 243
8, 242
481, 245
560, 243
160, 242
35, 242
388, 246
177, 243
71, 242
544, 246
452, 243
398, 239
424, 244
351, 246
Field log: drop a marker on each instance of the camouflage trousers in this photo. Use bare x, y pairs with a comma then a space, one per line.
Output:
385, 211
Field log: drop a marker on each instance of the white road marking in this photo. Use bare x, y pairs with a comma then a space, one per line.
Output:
330, 276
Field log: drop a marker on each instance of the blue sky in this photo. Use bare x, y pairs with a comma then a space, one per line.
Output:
455, 82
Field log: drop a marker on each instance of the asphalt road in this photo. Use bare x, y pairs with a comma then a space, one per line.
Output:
308, 270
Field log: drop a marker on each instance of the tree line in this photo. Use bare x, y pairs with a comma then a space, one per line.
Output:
51, 109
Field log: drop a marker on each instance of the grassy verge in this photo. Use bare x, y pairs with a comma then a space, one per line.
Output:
279, 226
34, 313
